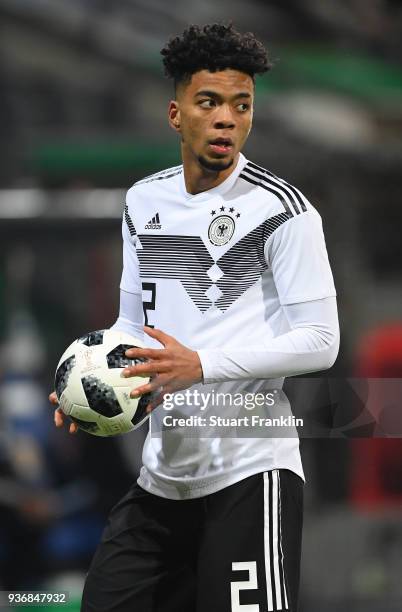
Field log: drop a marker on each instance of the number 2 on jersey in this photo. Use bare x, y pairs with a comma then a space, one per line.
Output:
148, 305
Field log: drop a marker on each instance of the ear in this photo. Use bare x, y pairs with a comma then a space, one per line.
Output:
174, 115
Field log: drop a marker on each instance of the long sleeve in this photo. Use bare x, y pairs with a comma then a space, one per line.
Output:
130, 317
311, 344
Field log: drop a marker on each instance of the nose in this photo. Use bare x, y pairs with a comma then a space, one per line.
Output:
224, 117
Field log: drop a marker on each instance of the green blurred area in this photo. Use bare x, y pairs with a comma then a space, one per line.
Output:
58, 159
367, 78
344, 72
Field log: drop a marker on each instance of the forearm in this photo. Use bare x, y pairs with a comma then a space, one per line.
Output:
130, 319
311, 345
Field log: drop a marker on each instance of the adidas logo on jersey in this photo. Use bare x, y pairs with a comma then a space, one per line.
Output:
154, 223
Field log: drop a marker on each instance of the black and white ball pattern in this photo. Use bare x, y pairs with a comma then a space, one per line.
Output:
62, 375
90, 386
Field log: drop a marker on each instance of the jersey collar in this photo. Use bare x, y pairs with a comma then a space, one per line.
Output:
220, 189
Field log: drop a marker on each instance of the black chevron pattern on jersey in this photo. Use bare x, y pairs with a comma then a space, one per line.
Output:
245, 262
129, 221
294, 195
185, 258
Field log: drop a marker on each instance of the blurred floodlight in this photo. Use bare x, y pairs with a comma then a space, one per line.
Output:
327, 119
62, 204
17, 203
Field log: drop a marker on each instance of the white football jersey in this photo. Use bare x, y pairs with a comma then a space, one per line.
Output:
215, 270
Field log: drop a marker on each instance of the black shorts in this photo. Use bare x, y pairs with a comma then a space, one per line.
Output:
217, 553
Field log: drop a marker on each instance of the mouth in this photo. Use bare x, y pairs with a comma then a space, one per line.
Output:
222, 146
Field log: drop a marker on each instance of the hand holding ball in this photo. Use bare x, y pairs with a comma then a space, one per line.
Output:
91, 388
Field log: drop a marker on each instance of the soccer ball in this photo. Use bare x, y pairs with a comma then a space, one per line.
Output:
90, 386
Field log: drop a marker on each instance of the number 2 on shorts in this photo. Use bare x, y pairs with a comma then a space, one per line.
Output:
244, 585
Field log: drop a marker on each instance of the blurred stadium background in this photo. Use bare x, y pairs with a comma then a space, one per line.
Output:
82, 116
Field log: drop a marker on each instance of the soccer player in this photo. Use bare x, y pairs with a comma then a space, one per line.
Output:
232, 266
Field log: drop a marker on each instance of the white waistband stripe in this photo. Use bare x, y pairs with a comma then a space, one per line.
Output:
274, 567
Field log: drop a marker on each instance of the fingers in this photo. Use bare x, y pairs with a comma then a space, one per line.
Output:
146, 369
144, 353
147, 353
73, 428
153, 385
158, 335
158, 387
53, 398
58, 417
141, 390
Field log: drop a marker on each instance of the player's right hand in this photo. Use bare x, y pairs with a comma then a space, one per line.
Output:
59, 414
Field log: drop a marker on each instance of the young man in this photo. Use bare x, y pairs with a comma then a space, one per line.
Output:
234, 270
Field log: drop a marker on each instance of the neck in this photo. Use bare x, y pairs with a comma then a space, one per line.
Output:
197, 178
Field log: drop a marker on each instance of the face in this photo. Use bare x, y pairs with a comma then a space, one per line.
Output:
213, 113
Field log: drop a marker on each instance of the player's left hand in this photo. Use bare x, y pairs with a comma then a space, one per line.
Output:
171, 368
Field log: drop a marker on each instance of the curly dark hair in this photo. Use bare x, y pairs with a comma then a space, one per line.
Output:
213, 47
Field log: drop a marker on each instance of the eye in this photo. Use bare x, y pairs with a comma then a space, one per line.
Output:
209, 103
243, 107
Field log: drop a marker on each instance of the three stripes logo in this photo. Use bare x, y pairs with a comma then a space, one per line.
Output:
154, 223
290, 197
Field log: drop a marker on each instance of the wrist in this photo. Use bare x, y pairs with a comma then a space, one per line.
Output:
198, 368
